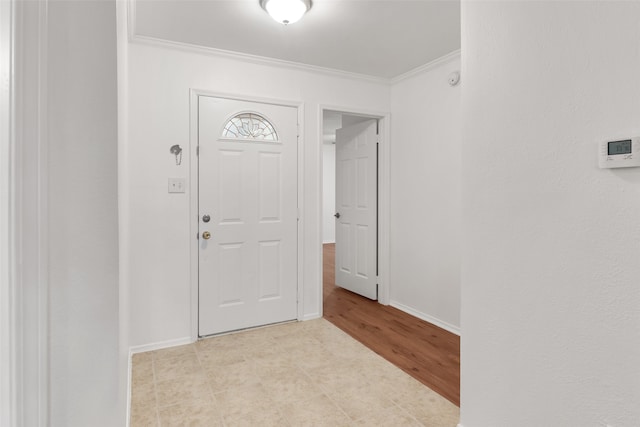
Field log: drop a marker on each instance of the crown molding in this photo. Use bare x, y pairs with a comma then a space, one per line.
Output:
254, 59
134, 37
131, 19
427, 67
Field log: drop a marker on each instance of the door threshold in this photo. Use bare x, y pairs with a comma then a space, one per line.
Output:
252, 328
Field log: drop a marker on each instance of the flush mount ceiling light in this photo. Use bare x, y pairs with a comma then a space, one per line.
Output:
286, 11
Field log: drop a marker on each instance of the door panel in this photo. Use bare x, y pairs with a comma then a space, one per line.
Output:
356, 202
230, 274
270, 260
230, 180
270, 186
248, 187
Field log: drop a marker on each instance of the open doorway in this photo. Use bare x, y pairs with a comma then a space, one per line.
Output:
373, 265
350, 200
424, 351
355, 244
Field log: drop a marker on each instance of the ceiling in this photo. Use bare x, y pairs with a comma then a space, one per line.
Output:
380, 38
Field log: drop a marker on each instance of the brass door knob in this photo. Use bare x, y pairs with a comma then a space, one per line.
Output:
206, 235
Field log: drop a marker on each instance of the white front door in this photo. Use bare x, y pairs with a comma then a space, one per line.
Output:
248, 208
356, 208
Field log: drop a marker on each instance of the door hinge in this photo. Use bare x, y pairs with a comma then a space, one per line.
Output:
197, 150
197, 236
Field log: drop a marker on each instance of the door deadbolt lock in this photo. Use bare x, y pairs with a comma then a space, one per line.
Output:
206, 235
206, 218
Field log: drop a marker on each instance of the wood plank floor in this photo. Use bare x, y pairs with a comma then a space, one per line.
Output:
428, 353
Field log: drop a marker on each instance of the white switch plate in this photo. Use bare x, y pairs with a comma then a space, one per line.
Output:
176, 185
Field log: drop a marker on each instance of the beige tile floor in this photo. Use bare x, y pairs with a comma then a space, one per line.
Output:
296, 374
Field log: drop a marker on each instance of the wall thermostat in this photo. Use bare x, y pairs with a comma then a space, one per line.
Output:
623, 153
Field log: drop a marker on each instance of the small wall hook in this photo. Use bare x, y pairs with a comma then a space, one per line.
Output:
177, 151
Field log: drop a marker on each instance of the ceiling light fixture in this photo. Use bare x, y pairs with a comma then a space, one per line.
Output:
286, 11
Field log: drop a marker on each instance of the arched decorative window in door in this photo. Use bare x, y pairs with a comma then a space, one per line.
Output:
249, 126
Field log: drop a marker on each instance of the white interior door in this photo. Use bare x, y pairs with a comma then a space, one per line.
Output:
356, 208
248, 204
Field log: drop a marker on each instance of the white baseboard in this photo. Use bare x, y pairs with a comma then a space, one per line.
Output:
159, 345
312, 316
427, 318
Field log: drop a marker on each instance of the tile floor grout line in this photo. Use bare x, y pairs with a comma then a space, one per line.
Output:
326, 392
155, 390
206, 377
288, 358
282, 415
408, 413
340, 408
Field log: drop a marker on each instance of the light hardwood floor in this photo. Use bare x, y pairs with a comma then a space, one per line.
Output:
426, 352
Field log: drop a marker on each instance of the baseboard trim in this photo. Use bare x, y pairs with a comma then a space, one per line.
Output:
312, 316
427, 318
159, 345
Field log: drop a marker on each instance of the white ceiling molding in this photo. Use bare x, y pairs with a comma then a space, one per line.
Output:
372, 41
263, 60
426, 67
131, 19
255, 59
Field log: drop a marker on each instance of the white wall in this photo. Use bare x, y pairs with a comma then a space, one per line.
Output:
550, 278
157, 222
328, 193
83, 224
425, 195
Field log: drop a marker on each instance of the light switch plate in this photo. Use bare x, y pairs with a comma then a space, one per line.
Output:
176, 185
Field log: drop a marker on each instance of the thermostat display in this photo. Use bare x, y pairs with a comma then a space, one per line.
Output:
624, 153
619, 147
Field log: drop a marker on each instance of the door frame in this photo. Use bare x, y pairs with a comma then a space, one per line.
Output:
384, 133
24, 173
194, 192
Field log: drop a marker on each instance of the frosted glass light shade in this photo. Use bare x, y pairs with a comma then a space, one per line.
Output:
286, 11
